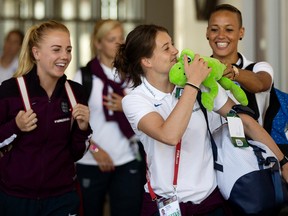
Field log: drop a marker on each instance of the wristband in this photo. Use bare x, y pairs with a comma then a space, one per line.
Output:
283, 161
193, 86
93, 148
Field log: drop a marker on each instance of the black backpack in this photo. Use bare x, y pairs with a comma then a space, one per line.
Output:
86, 80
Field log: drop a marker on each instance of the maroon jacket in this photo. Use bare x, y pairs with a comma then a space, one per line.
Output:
41, 162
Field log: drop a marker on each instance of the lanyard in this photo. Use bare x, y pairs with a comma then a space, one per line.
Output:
176, 169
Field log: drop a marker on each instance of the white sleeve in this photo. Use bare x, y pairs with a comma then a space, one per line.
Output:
78, 77
135, 107
264, 66
220, 99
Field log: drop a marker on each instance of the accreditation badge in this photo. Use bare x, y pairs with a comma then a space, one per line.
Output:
236, 130
169, 206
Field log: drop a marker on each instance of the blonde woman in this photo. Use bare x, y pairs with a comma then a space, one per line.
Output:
110, 168
37, 176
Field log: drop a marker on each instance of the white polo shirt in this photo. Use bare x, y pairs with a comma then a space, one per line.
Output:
196, 176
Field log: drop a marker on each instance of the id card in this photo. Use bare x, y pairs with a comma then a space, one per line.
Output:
236, 130
169, 206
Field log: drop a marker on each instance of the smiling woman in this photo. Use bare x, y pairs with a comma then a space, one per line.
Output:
48, 137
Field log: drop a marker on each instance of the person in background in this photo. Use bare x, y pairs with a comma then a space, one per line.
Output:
224, 31
37, 175
110, 168
173, 130
9, 56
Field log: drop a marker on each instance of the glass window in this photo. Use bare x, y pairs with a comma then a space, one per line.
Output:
68, 9
79, 16
85, 9
10, 8
39, 9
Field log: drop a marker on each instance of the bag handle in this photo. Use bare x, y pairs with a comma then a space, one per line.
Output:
275, 173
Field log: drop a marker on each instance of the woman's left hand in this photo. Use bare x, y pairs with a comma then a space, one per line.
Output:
81, 114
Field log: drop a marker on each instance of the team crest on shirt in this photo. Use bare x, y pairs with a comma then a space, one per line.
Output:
65, 107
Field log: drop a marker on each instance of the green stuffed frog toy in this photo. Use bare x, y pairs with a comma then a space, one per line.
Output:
177, 77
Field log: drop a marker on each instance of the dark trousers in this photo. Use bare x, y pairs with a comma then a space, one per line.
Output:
123, 187
214, 205
67, 204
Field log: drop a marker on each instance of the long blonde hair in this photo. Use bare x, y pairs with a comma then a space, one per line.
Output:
101, 28
33, 37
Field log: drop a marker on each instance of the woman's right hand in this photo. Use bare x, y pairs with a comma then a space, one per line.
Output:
197, 70
26, 121
229, 72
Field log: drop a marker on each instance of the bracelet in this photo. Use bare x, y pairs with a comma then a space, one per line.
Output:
236, 72
283, 161
192, 85
93, 148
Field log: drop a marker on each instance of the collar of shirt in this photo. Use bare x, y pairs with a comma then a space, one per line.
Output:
154, 92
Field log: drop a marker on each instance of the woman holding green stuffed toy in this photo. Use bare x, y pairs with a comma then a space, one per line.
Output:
223, 33
173, 130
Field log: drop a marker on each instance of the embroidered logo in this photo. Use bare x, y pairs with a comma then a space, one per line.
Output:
157, 105
64, 107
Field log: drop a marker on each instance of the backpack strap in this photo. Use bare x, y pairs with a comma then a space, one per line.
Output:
71, 98
70, 94
86, 80
24, 93
25, 97
252, 102
272, 110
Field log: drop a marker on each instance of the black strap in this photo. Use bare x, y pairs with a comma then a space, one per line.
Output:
86, 80
217, 166
272, 110
252, 103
